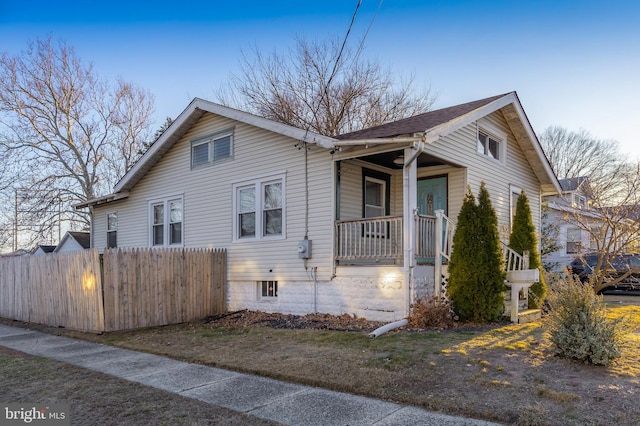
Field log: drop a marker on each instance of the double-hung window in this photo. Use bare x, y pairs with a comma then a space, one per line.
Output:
112, 230
259, 208
166, 218
574, 240
212, 149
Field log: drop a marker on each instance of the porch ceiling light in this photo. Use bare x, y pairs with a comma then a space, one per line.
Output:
399, 160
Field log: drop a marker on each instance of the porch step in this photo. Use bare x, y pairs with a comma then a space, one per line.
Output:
529, 315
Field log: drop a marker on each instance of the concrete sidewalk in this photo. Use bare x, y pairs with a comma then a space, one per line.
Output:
282, 402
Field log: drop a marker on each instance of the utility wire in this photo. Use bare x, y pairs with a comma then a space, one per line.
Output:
315, 115
361, 47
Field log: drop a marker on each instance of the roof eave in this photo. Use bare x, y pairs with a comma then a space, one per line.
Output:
102, 200
196, 109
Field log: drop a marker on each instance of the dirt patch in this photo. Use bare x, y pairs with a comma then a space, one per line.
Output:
245, 318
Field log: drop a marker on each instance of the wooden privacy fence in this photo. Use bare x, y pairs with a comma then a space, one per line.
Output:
58, 289
119, 290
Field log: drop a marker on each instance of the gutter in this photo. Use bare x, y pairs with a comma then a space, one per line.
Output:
379, 141
102, 200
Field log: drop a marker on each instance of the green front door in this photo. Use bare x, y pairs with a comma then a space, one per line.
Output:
432, 196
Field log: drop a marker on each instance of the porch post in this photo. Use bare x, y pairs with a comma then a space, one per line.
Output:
410, 204
437, 263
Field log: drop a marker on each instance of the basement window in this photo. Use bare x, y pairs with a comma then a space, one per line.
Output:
267, 290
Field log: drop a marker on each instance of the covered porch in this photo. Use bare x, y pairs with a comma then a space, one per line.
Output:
391, 210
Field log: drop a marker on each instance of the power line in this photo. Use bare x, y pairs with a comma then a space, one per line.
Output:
366, 33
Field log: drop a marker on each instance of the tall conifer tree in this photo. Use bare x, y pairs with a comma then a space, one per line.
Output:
476, 270
523, 237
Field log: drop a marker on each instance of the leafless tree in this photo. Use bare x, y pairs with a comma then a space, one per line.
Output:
612, 216
579, 154
65, 134
321, 87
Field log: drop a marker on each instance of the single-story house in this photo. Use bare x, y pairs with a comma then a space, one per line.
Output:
73, 241
355, 224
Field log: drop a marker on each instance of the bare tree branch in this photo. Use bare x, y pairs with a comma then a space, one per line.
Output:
77, 133
314, 87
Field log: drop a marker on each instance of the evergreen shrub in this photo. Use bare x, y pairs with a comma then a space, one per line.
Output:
476, 269
523, 237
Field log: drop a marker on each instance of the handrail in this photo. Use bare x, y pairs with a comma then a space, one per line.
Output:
513, 260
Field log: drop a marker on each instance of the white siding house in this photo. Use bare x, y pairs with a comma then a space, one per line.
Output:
73, 241
363, 205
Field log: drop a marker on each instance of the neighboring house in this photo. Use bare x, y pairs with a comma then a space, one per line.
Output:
73, 241
576, 220
318, 224
565, 211
43, 249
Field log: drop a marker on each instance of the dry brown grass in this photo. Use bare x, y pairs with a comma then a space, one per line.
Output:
505, 373
30, 379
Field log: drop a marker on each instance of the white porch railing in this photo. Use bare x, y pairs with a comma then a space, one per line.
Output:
381, 238
513, 260
445, 228
425, 236
369, 239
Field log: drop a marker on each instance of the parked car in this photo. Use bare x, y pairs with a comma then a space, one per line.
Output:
613, 266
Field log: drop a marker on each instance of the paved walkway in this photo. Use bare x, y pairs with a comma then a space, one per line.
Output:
283, 402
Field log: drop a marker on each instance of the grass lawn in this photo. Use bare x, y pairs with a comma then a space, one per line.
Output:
504, 373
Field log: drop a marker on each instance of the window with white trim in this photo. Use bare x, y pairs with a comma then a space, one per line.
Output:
579, 201
489, 145
513, 202
259, 209
112, 230
212, 149
374, 197
267, 290
574, 240
166, 219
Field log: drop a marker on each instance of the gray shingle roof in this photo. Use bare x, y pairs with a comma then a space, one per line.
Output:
571, 184
418, 123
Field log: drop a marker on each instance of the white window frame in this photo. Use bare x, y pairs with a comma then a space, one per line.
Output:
210, 141
514, 193
112, 230
580, 202
573, 241
494, 134
166, 221
258, 184
383, 188
272, 295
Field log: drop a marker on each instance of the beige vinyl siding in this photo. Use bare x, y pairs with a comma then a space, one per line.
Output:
460, 148
351, 189
208, 202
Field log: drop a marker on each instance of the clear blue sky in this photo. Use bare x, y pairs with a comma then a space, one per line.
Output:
573, 63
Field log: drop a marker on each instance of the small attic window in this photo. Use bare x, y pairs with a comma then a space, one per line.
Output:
488, 145
212, 149
491, 142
